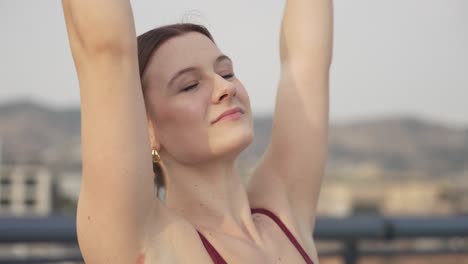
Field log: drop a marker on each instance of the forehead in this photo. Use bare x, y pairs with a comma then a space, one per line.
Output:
188, 50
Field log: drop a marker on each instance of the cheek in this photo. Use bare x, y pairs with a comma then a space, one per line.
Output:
191, 107
179, 115
243, 96
183, 127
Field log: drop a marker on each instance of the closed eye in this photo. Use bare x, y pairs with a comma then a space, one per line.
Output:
228, 76
188, 88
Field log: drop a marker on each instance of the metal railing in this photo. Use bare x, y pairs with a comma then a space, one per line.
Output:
349, 231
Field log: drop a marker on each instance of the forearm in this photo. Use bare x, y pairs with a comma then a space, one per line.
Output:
306, 31
94, 25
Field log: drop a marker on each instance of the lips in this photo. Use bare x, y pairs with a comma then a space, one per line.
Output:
228, 112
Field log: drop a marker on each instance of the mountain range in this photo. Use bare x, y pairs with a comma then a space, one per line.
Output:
31, 132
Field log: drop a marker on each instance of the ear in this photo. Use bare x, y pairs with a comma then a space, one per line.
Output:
153, 135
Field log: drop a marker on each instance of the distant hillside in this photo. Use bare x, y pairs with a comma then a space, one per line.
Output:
29, 131
401, 144
32, 132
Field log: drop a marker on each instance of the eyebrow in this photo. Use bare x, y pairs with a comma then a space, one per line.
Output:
191, 69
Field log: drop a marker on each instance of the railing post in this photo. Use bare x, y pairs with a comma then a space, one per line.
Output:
351, 253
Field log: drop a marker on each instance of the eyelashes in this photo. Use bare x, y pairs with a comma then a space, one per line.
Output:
228, 76
193, 86
189, 87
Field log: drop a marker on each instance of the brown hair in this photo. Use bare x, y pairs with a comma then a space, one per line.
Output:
148, 43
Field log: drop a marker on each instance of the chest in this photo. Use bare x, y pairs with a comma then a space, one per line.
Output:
183, 245
275, 247
278, 254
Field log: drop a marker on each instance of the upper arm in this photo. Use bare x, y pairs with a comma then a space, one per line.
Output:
298, 147
117, 201
117, 196
289, 175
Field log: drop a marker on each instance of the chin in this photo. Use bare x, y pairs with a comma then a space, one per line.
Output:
234, 142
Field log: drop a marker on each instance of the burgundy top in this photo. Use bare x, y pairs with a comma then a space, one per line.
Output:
218, 259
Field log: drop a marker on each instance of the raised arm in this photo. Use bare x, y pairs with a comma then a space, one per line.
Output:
117, 198
288, 177
306, 34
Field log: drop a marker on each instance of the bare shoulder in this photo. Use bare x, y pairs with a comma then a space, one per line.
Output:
174, 240
266, 190
165, 238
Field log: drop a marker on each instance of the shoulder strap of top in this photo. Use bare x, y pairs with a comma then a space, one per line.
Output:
285, 230
215, 256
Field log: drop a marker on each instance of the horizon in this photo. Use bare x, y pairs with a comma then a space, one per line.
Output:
358, 119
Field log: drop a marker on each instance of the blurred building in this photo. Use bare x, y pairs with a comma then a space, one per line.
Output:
38, 189
25, 190
347, 193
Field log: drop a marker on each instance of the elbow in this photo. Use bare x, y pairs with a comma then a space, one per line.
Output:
94, 32
305, 56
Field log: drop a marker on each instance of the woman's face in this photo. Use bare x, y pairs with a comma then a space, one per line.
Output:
189, 83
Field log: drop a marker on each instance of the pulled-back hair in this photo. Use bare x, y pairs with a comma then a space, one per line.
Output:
148, 44
150, 41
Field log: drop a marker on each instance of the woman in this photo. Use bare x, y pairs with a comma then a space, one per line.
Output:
191, 112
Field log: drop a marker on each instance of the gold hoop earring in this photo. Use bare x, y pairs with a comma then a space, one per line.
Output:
155, 155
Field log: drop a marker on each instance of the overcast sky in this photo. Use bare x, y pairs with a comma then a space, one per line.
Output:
390, 56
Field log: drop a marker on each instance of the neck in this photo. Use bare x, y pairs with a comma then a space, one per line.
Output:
212, 198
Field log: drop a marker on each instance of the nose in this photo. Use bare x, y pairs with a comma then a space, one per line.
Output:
223, 89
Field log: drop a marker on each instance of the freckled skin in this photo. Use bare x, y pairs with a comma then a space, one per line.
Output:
140, 259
